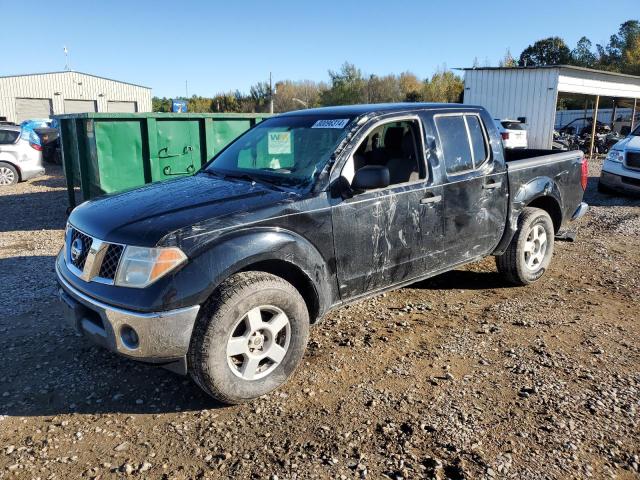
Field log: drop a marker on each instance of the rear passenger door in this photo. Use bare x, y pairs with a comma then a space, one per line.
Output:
475, 187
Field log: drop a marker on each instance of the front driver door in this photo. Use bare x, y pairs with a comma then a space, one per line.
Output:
390, 235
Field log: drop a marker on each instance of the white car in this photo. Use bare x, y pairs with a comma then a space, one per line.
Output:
513, 132
621, 168
20, 155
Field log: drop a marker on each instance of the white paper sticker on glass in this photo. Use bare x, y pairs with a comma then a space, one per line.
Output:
279, 143
333, 123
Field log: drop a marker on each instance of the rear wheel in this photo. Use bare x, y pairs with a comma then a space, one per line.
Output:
530, 251
249, 338
8, 174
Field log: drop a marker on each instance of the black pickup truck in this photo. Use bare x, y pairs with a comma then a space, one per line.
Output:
221, 274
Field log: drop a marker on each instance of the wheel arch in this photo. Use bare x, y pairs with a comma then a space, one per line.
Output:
540, 192
280, 252
295, 276
550, 205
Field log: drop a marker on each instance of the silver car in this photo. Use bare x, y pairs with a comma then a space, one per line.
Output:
20, 155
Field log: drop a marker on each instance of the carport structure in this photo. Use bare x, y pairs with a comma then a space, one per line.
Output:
533, 93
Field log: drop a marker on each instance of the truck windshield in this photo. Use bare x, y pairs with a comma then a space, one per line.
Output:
283, 150
636, 132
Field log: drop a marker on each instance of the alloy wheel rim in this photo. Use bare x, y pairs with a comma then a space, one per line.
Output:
535, 247
259, 342
7, 177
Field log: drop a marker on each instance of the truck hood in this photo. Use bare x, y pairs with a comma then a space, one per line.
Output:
632, 141
144, 215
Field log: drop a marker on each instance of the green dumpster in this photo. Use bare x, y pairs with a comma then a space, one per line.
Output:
109, 152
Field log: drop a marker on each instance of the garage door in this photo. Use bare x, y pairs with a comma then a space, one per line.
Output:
79, 106
30, 108
124, 107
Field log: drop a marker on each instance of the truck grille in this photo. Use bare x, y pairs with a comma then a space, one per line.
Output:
103, 270
86, 245
110, 261
633, 160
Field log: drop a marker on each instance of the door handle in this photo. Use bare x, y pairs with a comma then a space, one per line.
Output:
431, 199
492, 185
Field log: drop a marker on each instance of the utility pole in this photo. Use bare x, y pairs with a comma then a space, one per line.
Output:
186, 88
270, 94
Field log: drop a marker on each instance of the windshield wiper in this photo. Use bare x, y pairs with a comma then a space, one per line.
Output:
252, 179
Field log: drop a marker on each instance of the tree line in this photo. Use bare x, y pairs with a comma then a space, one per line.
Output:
349, 85
621, 54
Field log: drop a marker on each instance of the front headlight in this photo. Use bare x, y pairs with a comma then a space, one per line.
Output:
615, 156
141, 266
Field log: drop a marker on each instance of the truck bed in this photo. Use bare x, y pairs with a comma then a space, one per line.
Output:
557, 174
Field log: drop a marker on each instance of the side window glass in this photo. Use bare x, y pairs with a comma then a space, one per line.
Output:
396, 145
454, 140
478, 141
8, 136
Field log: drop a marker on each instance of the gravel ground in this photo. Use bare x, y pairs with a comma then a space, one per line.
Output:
455, 377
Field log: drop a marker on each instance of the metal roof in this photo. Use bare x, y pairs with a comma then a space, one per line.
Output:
568, 67
79, 73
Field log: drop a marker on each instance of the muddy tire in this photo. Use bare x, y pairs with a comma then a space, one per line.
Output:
249, 337
530, 251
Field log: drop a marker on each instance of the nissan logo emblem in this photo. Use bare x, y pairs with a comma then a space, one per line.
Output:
76, 249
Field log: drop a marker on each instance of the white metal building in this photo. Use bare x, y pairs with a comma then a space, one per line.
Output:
41, 95
532, 92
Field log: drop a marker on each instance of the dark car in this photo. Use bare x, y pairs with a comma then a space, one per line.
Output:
221, 274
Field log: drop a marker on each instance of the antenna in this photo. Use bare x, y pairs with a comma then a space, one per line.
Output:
67, 65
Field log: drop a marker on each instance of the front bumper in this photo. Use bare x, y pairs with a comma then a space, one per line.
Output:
615, 176
159, 337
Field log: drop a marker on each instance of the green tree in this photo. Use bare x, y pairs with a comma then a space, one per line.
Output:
583, 55
160, 104
444, 86
197, 104
631, 60
347, 86
548, 51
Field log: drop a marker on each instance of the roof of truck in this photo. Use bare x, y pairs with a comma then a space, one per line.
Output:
355, 110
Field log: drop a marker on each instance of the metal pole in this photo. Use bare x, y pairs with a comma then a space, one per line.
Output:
593, 129
633, 114
613, 113
270, 95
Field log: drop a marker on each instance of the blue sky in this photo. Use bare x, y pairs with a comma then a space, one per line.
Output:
222, 46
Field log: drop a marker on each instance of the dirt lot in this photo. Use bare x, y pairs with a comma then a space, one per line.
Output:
456, 377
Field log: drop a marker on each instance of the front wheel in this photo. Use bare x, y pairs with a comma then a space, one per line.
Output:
530, 251
249, 338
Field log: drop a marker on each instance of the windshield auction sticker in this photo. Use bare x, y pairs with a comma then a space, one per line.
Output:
334, 123
279, 143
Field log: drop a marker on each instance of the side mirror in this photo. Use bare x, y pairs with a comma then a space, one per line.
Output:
371, 177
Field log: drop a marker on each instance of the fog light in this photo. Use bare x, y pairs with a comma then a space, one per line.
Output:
129, 337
